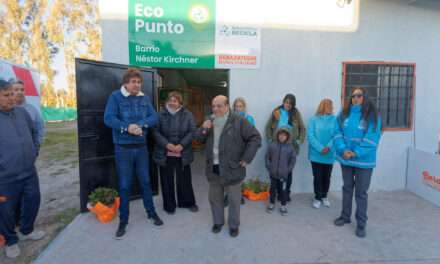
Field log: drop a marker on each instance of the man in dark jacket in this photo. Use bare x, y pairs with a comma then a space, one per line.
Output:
231, 144
18, 175
129, 113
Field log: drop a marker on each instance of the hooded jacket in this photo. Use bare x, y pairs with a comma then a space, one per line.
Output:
280, 157
298, 130
18, 145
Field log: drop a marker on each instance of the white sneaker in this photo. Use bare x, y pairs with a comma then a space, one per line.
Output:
35, 235
12, 251
316, 203
270, 208
283, 210
326, 202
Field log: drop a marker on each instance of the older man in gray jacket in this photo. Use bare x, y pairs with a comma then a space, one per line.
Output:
231, 144
18, 176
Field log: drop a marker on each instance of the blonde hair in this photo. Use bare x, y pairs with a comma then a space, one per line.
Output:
325, 107
240, 100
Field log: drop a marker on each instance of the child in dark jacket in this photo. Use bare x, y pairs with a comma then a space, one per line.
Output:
280, 160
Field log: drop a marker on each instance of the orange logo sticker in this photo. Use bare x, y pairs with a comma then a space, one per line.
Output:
431, 181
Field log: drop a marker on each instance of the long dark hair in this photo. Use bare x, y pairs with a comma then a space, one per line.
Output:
292, 99
368, 109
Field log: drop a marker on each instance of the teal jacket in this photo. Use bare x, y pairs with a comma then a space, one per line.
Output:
360, 136
320, 133
248, 117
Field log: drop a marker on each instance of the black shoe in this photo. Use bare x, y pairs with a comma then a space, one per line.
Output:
121, 231
341, 221
233, 232
194, 208
360, 232
155, 220
242, 200
216, 229
170, 212
226, 201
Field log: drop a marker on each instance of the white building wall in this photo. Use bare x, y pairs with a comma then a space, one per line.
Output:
309, 65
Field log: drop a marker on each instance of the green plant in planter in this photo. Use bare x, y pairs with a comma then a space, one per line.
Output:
104, 195
256, 186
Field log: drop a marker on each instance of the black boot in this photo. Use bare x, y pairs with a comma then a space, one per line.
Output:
121, 230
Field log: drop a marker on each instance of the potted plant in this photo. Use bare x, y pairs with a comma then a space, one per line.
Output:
104, 203
256, 190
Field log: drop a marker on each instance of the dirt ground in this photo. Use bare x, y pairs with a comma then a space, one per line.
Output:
59, 182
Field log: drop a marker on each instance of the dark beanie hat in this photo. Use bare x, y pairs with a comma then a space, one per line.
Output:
4, 85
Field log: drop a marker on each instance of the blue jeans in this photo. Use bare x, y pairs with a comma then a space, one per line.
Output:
28, 192
128, 162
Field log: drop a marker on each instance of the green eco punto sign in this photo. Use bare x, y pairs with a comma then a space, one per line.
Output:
164, 33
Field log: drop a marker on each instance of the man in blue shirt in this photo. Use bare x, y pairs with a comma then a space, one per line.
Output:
18, 176
130, 113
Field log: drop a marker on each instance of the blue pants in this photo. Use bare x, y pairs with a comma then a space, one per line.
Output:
28, 192
357, 180
128, 162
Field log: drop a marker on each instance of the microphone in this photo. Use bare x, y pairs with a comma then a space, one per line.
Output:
212, 117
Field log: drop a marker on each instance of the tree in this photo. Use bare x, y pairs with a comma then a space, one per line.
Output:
35, 31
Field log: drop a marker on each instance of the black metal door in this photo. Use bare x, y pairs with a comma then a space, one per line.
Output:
95, 81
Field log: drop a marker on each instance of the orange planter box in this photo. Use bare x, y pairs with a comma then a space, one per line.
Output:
262, 196
103, 213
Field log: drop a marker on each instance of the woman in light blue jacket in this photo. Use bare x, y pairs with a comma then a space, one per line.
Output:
241, 109
320, 133
356, 142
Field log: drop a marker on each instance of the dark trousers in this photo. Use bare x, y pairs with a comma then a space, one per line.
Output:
128, 162
278, 189
321, 179
185, 192
289, 183
216, 200
356, 179
27, 191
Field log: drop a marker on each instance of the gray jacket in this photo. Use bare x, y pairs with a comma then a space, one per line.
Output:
18, 147
280, 158
174, 129
37, 119
239, 141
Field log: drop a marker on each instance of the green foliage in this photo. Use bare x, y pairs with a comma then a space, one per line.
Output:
104, 195
256, 186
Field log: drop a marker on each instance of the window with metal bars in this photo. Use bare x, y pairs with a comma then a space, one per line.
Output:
389, 85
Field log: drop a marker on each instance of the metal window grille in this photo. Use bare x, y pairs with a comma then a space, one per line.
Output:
389, 85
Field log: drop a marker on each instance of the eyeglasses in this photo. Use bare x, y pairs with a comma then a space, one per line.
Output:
357, 95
